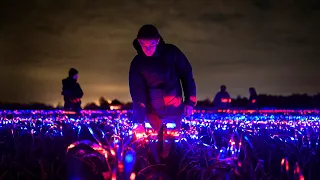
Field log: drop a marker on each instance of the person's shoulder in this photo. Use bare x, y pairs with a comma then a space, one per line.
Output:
136, 58
67, 81
171, 47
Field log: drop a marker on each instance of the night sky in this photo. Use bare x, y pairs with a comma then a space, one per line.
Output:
273, 46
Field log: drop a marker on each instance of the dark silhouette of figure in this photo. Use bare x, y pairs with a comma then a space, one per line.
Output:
72, 92
222, 99
155, 78
253, 99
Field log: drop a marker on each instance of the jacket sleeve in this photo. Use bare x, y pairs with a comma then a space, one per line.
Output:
79, 92
66, 92
217, 99
184, 69
138, 92
228, 95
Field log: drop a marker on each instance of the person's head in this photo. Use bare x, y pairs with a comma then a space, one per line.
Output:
223, 88
252, 91
148, 38
73, 73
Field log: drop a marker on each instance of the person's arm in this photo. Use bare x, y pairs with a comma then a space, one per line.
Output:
229, 100
184, 69
63, 88
79, 92
138, 92
217, 99
228, 95
66, 92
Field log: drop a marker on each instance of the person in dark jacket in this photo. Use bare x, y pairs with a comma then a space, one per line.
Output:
158, 76
222, 99
72, 92
253, 99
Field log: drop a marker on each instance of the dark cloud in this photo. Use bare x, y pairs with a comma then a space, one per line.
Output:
221, 17
272, 45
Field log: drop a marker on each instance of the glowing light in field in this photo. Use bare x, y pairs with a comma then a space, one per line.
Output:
287, 126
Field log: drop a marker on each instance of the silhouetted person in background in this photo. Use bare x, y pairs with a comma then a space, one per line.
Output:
253, 99
72, 92
222, 99
155, 78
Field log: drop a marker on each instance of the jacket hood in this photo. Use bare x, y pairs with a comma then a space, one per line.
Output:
137, 46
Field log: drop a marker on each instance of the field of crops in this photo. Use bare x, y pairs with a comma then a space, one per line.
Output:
235, 144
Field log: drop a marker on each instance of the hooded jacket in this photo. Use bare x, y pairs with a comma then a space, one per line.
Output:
158, 81
222, 100
71, 92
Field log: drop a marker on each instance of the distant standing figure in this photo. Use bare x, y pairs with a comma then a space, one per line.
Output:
222, 99
72, 92
253, 99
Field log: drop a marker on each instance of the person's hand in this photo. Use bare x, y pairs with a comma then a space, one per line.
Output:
188, 110
139, 130
142, 105
76, 100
